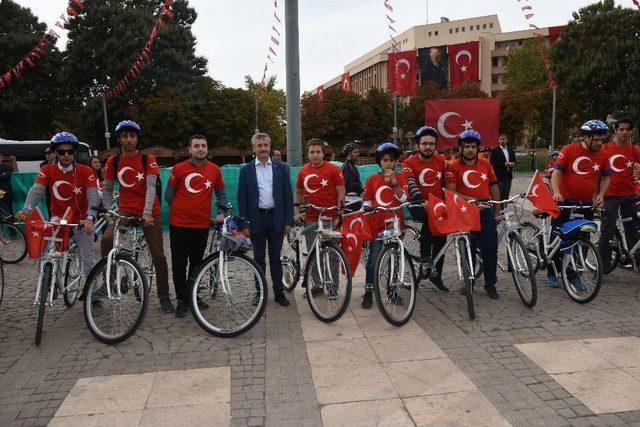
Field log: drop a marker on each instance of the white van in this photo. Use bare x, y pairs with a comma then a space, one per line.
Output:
29, 154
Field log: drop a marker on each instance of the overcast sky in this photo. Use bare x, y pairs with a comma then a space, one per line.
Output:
234, 34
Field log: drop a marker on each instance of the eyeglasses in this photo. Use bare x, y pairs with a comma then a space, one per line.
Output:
62, 152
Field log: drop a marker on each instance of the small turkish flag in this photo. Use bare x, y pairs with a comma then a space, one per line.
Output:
355, 230
539, 194
462, 215
401, 71
321, 93
464, 63
437, 216
451, 117
346, 82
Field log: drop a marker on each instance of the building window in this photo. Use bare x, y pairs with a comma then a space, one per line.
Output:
463, 29
450, 30
429, 35
495, 79
470, 27
491, 25
478, 27
519, 42
457, 30
436, 33
494, 61
484, 26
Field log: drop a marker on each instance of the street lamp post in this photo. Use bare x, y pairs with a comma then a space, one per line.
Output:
294, 124
107, 135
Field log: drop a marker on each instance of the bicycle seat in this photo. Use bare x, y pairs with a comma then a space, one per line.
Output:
570, 229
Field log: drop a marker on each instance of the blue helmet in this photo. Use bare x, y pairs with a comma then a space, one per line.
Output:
127, 125
594, 127
387, 148
469, 135
64, 138
553, 153
426, 130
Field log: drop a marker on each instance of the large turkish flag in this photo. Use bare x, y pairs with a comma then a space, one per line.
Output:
464, 63
346, 82
402, 72
453, 116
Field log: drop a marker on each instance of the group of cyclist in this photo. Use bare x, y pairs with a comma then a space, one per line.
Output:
592, 171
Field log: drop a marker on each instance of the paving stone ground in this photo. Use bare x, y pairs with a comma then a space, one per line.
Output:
273, 381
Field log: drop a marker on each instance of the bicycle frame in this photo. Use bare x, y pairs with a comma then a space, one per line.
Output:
322, 234
114, 251
457, 237
51, 256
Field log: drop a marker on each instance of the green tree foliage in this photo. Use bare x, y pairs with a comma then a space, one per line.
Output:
29, 105
272, 109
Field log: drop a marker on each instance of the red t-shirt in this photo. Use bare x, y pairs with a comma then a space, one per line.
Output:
472, 180
67, 189
581, 170
194, 186
133, 183
380, 194
319, 187
621, 161
429, 174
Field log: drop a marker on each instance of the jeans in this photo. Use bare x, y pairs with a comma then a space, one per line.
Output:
375, 247
187, 246
625, 206
487, 240
565, 216
84, 241
260, 238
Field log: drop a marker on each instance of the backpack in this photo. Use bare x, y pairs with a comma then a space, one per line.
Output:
116, 160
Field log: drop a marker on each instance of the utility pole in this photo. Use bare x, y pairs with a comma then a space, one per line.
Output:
427, 11
107, 134
294, 123
257, 129
553, 120
395, 119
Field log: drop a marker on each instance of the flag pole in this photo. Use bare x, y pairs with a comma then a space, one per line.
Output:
553, 120
257, 129
395, 119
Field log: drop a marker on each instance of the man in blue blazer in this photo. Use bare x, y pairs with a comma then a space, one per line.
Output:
265, 199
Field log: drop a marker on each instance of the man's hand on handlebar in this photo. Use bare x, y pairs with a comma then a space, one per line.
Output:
558, 197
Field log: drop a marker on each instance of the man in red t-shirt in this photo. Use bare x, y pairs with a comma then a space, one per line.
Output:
189, 195
472, 178
620, 199
137, 197
425, 172
581, 177
321, 184
73, 191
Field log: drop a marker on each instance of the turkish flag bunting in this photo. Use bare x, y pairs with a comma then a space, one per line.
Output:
540, 195
461, 215
464, 63
321, 93
401, 69
346, 82
355, 230
453, 116
437, 216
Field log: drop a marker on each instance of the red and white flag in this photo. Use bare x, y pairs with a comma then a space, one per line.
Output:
437, 216
451, 117
401, 70
464, 63
355, 230
320, 93
346, 82
461, 215
540, 196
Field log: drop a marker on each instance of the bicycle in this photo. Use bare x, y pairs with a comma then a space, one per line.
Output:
231, 283
117, 292
620, 252
13, 243
581, 264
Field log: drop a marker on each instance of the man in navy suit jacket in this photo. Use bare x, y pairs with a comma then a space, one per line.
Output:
265, 199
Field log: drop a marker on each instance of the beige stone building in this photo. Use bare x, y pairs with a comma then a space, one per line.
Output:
370, 70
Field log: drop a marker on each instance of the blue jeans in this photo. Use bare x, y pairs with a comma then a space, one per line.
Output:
260, 238
375, 247
487, 240
565, 216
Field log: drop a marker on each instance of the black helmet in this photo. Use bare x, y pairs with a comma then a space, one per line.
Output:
349, 147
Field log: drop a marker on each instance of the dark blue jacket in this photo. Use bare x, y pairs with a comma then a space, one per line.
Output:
282, 195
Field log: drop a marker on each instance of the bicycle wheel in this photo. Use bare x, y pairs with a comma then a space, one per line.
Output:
13, 244
234, 307
530, 237
478, 267
72, 276
411, 241
524, 276
114, 317
467, 283
394, 285
328, 286
582, 271
45, 285
145, 261
290, 265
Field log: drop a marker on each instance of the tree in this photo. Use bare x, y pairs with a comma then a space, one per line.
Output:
272, 109
30, 104
598, 60
377, 120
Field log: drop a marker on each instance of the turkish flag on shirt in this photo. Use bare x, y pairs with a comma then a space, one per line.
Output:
401, 71
453, 116
539, 194
464, 63
355, 230
346, 82
437, 216
461, 215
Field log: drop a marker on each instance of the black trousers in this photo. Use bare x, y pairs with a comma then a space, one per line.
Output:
505, 188
187, 247
625, 206
265, 235
430, 246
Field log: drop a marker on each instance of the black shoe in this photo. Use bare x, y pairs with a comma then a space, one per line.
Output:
394, 298
367, 299
437, 282
201, 304
166, 306
181, 308
491, 291
282, 300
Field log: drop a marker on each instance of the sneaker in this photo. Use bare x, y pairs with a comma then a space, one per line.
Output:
201, 304
166, 306
578, 285
181, 308
282, 300
553, 282
367, 299
492, 292
437, 282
